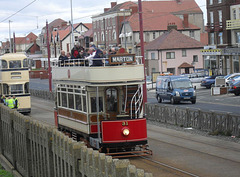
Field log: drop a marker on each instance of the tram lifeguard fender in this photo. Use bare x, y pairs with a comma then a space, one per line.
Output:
112, 131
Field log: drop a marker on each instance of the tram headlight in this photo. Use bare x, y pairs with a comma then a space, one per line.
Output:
125, 131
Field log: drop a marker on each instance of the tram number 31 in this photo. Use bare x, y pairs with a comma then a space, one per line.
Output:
125, 123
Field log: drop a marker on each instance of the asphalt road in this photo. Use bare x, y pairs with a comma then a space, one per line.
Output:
205, 101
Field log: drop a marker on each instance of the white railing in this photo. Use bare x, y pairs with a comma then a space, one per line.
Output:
137, 101
88, 62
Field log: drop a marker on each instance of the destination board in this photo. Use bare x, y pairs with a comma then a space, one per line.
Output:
121, 58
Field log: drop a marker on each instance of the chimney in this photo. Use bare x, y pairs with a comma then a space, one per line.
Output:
185, 21
106, 9
178, 1
134, 9
63, 24
113, 4
171, 26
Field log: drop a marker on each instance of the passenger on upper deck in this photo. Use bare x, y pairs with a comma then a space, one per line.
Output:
63, 58
91, 53
98, 54
92, 45
112, 51
75, 52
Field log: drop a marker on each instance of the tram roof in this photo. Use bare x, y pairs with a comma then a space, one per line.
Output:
13, 56
97, 84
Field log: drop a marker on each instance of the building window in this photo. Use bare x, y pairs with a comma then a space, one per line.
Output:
211, 38
220, 38
114, 35
109, 37
76, 38
113, 21
211, 18
170, 55
234, 14
220, 16
219, 1
184, 53
102, 36
153, 70
237, 37
210, 2
195, 58
154, 35
191, 34
153, 56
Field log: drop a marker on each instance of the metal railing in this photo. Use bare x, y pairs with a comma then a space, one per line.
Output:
137, 101
89, 62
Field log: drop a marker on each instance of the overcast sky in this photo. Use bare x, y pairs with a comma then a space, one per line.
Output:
33, 14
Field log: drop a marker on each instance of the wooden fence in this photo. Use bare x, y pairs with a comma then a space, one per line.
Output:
209, 121
31, 149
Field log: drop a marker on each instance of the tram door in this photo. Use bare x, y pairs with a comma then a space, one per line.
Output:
112, 102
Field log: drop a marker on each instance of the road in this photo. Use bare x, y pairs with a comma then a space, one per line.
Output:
205, 101
198, 155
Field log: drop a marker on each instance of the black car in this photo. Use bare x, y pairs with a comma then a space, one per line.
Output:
235, 88
209, 81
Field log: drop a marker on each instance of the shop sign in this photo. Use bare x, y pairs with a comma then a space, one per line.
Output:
211, 51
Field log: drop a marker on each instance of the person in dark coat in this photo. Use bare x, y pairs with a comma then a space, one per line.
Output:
63, 58
98, 54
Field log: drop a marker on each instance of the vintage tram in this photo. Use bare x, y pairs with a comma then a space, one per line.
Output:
14, 79
103, 105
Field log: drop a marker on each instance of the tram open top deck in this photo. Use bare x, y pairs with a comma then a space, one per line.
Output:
119, 71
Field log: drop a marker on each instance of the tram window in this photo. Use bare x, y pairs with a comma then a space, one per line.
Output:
84, 103
26, 87
3, 64
64, 99
15, 64
15, 89
5, 89
64, 89
25, 63
77, 91
78, 102
59, 98
70, 90
111, 103
94, 103
70, 101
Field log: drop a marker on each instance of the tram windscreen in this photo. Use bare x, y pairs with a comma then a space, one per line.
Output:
16, 89
15, 64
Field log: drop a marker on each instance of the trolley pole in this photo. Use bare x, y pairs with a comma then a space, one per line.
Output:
49, 64
142, 52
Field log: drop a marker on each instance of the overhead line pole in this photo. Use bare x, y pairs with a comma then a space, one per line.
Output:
142, 51
72, 43
49, 64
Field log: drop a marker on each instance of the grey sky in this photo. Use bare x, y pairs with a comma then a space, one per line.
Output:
33, 17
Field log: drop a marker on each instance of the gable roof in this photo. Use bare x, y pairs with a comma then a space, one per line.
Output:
173, 40
157, 22
25, 40
185, 6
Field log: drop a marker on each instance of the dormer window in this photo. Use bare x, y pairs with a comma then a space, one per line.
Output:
210, 2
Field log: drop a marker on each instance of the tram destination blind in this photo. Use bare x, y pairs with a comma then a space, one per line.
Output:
119, 59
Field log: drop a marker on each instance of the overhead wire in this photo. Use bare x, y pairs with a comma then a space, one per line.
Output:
18, 11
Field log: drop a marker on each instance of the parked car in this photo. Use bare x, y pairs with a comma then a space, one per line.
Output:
235, 88
209, 81
234, 79
175, 89
230, 76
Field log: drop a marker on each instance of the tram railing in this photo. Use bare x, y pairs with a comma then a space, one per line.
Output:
88, 62
137, 101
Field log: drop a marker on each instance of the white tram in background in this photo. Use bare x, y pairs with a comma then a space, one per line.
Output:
14, 79
103, 105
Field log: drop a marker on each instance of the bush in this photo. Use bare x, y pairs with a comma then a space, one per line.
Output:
4, 173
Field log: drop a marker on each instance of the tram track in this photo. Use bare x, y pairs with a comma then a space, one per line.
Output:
173, 171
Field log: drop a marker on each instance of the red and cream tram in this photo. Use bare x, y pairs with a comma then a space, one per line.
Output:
103, 105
